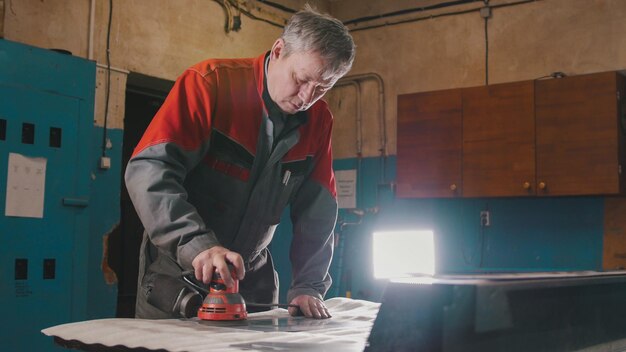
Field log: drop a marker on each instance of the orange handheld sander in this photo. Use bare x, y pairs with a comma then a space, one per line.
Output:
222, 302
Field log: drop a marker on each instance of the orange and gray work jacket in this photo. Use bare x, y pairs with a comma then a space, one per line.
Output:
209, 171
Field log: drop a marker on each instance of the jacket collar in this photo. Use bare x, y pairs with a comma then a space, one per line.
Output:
259, 73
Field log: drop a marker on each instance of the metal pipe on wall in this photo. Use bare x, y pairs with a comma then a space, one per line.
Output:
357, 86
359, 129
92, 25
382, 122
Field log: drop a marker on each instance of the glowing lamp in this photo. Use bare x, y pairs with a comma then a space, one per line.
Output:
403, 253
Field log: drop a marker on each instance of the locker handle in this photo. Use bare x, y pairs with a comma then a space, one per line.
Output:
75, 202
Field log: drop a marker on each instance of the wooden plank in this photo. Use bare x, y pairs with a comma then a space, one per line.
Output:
621, 86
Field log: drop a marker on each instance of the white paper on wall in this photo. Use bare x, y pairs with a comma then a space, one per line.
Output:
26, 186
346, 188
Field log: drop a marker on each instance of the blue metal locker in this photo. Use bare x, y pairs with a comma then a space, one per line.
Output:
46, 122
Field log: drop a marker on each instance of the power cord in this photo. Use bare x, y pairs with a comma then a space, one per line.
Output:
108, 77
485, 13
557, 74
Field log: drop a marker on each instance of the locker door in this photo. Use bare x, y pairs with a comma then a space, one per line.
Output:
46, 110
37, 262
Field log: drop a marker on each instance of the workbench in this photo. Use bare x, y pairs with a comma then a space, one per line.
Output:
516, 312
272, 330
513, 312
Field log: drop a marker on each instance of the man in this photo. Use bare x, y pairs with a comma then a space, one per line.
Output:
235, 142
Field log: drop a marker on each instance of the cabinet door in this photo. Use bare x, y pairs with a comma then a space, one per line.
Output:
578, 135
46, 102
499, 140
429, 144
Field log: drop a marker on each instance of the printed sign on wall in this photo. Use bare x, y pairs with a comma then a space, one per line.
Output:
26, 186
346, 188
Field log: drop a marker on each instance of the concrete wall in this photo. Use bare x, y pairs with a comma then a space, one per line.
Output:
158, 38
161, 38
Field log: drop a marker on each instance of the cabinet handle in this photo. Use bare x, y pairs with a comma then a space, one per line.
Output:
526, 185
453, 187
542, 185
75, 202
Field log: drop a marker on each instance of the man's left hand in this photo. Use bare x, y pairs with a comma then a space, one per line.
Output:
310, 306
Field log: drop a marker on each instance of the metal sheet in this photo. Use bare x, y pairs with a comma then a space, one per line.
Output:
286, 324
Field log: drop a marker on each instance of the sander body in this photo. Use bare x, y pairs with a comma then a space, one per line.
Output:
222, 302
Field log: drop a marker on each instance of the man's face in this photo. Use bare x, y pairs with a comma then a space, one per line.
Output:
296, 81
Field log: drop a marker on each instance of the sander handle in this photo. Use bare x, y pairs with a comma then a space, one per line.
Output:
189, 277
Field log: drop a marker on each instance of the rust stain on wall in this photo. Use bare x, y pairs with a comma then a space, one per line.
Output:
614, 256
1, 18
109, 274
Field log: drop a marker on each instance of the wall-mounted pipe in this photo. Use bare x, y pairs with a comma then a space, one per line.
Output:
357, 87
250, 9
92, 25
353, 24
382, 120
359, 131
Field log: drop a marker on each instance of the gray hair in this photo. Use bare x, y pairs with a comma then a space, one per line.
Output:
309, 30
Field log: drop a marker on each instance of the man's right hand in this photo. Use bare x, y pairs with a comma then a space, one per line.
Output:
217, 258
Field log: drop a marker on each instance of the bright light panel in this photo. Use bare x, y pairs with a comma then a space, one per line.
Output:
403, 253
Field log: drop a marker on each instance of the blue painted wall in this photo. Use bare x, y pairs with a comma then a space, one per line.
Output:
104, 218
526, 234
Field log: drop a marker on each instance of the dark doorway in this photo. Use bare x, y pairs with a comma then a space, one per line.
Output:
144, 97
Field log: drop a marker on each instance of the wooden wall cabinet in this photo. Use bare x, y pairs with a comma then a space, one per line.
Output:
580, 135
547, 138
429, 144
499, 140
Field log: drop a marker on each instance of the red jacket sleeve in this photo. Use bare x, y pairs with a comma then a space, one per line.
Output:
174, 143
